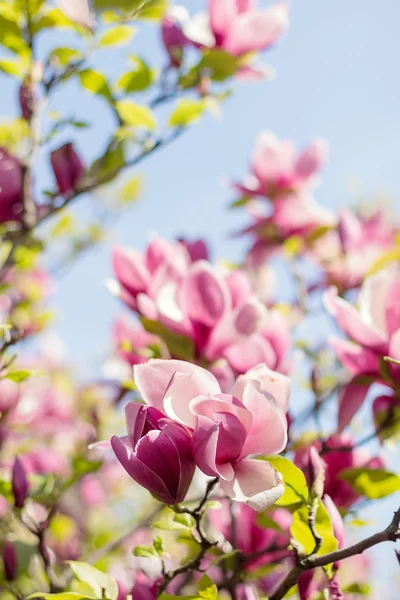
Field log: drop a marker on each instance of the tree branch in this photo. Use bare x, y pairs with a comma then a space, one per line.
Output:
390, 534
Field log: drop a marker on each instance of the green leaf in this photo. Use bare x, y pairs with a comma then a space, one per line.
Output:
64, 56
137, 80
117, 36
301, 531
158, 545
136, 115
171, 597
107, 167
54, 18
139, 9
219, 64
10, 33
103, 585
179, 346
296, 488
19, 375
95, 82
174, 522
363, 589
207, 588
372, 483
265, 521
186, 112
131, 190
145, 551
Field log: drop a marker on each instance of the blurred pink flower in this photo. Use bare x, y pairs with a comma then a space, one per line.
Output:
10, 187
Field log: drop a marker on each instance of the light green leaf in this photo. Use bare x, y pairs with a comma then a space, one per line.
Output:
301, 531
107, 167
174, 522
64, 56
19, 375
117, 36
54, 18
145, 551
65, 226
101, 583
207, 588
372, 483
186, 112
137, 80
219, 64
95, 82
179, 346
296, 489
136, 115
136, 9
15, 68
10, 33
131, 190
158, 545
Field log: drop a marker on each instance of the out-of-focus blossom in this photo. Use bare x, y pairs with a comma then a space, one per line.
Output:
68, 168
10, 187
250, 536
9, 395
27, 98
219, 311
227, 428
172, 34
156, 453
279, 171
338, 456
132, 341
374, 331
238, 28
347, 252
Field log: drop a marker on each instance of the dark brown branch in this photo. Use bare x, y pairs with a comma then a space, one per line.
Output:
390, 534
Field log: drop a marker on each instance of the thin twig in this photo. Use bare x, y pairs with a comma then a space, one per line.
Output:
390, 534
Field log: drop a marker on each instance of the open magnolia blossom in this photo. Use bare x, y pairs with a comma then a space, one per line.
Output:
188, 420
278, 170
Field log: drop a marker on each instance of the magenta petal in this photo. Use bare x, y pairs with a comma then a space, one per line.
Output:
351, 398
312, 159
231, 438
130, 270
243, 355
141, 472
135, 416
356, 359
205, 295
273, 383
204, 445
392, 308
222, 13
336, 518
180, 438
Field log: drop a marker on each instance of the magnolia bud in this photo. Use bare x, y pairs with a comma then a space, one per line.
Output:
316, 473
10, 561
20, 483
27, 98
67, 167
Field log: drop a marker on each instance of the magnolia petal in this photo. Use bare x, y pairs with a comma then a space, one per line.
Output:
273, 383
256, 483
152, 379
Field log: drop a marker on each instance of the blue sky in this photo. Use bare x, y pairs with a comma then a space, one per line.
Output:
337, 77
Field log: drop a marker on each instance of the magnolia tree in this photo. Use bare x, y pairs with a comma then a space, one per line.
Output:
220, 482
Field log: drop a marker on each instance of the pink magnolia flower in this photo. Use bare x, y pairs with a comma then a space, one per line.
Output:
347, 252
156, 453
374, 331
337, 460
10, 561
27, 98
219, 311
10, 187
67, 167
227, 428
278, 170
20, 484
237, 26
9, 395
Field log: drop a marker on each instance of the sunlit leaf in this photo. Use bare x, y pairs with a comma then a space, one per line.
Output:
372, 483
186, 112
296, 489
117, 36
64, 56
136, 115
179, 346
103, 585
137, 80
95, 82
207, 588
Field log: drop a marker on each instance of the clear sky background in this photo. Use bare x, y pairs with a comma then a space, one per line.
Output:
337, 76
